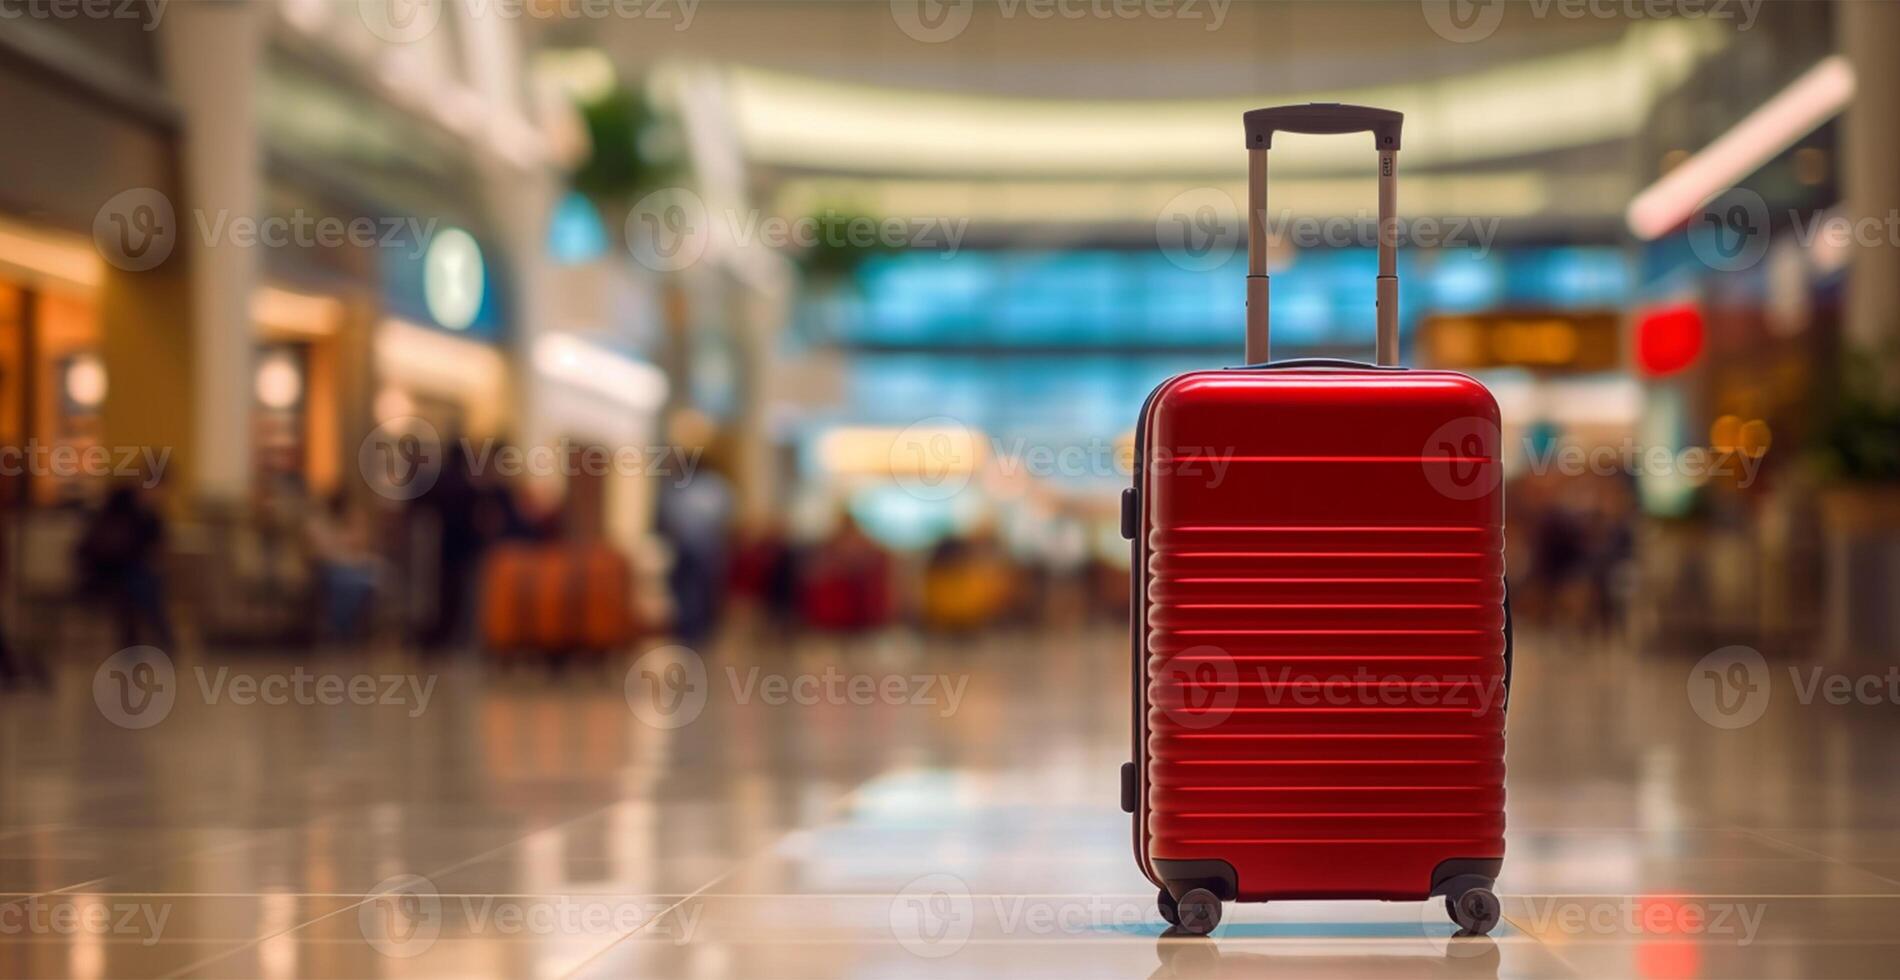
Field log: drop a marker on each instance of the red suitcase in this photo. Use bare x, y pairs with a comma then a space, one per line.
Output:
1321, 633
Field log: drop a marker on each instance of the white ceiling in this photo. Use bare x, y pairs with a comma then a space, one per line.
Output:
1085, 49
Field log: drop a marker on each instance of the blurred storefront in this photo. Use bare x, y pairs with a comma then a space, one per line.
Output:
1736, 332
432, 270
61, 303
320, 229
93, 353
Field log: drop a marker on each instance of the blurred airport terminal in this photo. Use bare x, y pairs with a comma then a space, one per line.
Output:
655, 465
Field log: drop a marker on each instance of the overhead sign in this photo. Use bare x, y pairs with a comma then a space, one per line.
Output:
1564, 340
452, 284
453, 278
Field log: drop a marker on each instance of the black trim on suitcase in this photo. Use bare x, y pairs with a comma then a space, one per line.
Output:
1180, 877
1455, 876
1319, 362
1137, 636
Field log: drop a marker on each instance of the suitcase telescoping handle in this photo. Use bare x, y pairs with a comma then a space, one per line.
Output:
1323, 118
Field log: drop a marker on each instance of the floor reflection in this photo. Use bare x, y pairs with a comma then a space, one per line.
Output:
1191, 959
553, 826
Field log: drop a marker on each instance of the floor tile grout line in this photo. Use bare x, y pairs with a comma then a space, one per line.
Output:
9, 834
261, 940
367, 898
1556, 953
252, 836
79, 888
824, 815
1778, 842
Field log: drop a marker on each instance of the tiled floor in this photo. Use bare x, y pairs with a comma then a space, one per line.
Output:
599, 825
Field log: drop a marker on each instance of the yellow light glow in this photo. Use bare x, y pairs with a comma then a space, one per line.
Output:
1725, 434
429, 361
871, 451
1539, 105
279, 382
1549, 341
1512, 193
1754, 438
86, 381
65, 260
285, 311
393, 403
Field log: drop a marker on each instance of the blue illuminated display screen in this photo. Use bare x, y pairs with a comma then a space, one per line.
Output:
1139, 299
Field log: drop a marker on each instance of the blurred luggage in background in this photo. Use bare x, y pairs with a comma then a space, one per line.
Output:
553, 600
764, 573
846, 586
967, 585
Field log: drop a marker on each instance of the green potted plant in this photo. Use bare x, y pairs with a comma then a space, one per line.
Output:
1856, 458
633, 150
840, 240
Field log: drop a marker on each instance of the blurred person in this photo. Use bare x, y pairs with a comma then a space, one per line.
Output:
499, 515
1612, 546
338, 537
692, 518
846, 585
1558, 556
452, 507
119, 555
15, 667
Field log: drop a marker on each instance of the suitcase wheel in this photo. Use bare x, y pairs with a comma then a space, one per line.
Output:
1476, 911
1198, 912
1169, 911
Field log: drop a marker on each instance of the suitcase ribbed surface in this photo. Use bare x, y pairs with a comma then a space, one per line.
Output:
1323, 639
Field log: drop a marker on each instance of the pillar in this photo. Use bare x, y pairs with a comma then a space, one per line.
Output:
1870, 149
221, 156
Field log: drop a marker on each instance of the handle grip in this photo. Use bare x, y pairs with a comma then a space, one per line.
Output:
1323, 119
